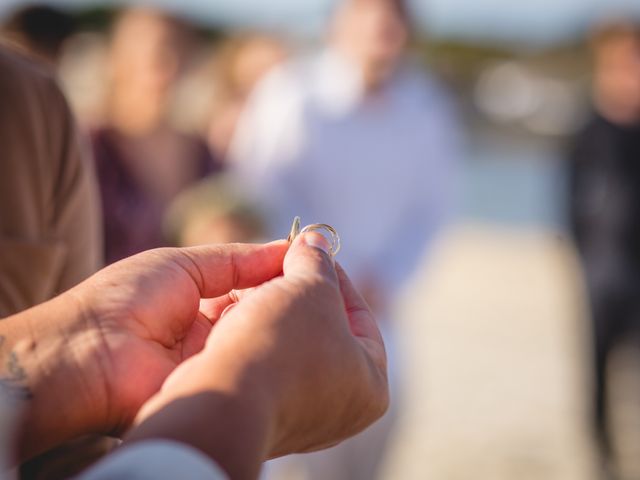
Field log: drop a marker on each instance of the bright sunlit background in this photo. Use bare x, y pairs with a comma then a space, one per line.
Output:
494, 330
541, 22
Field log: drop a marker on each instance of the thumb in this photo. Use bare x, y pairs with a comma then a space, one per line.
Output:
309, 257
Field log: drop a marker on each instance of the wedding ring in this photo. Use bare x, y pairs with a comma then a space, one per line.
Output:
295, 229
335, 238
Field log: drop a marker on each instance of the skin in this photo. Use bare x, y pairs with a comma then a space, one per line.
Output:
617, 78
296, 365
373, 35
144, 63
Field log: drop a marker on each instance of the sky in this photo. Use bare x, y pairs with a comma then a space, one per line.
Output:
526, 21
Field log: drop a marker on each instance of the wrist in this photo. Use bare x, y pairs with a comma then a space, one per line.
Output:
48, 353
229, 417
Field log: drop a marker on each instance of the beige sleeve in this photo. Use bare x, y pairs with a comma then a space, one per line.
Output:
76, 221
50, 236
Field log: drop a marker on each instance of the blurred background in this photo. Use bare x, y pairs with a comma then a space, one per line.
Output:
514, 352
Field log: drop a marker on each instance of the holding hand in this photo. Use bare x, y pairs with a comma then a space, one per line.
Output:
304, 346
297, 365
144, 314
88, 359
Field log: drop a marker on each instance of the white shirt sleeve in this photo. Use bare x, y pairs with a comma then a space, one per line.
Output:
155, 460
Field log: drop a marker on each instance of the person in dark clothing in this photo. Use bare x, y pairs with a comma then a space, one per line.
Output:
135, 198
142, 161
605, 205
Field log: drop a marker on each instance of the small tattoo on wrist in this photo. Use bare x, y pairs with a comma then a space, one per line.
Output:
11, 383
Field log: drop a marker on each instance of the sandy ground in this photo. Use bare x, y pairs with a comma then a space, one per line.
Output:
495, 362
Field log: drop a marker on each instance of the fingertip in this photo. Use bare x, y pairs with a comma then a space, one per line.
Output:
316, 240
278, 244
309, 253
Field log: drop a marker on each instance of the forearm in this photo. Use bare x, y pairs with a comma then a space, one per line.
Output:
39, 360
230, 420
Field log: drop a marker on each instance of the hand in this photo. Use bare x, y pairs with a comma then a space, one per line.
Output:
87, 360
297, 365
144, 315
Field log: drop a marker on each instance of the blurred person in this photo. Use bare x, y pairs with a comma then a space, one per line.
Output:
240, 64
39, 30
605, 204
133, 351
83, 73
213, 211
360, 137
143, 162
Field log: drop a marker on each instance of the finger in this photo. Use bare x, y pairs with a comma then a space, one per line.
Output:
218, 269
196, 336
362, 323
213, 308
361, 319
309, 257
228, 309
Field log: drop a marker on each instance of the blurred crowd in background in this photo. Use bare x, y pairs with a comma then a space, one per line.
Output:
485, 194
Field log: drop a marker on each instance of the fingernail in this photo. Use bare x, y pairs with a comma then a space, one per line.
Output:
317, 241
228, 309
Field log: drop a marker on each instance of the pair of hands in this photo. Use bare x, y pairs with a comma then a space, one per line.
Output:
298, 357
